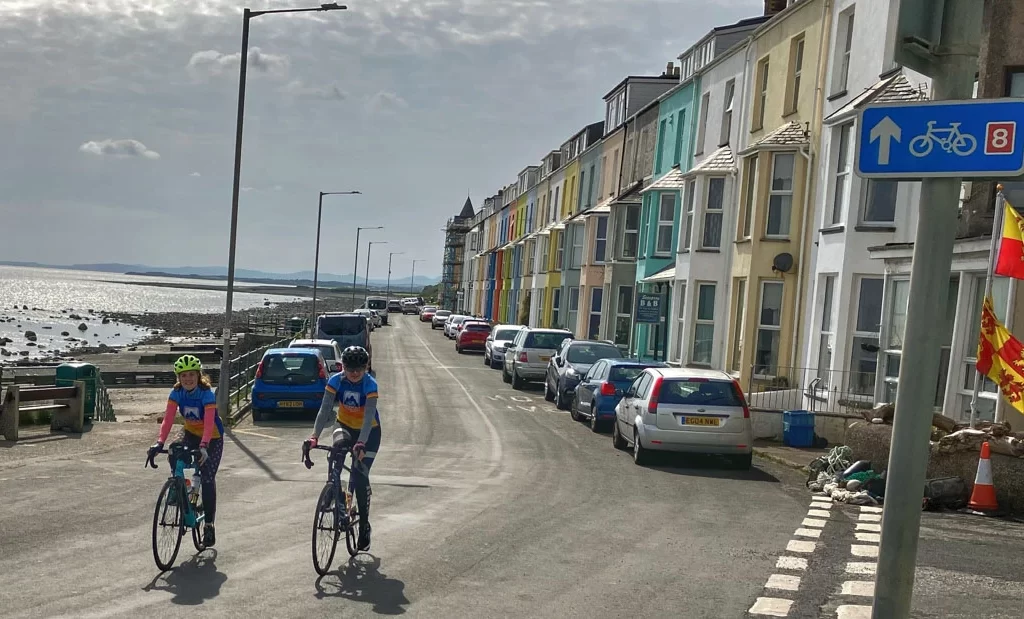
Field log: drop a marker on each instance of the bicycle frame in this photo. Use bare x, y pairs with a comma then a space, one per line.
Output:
185, 457
336, 456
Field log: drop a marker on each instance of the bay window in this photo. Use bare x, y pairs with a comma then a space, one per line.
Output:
769, 329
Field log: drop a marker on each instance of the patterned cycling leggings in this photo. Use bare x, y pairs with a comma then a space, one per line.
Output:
207, 472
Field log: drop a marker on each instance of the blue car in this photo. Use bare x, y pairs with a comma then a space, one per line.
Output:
291, 379
600, 390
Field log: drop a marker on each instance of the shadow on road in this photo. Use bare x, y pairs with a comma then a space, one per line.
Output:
362, 581
193, 582
44, 436
706, 466
252, 456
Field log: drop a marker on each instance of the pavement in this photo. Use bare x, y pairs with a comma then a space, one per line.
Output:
488, 502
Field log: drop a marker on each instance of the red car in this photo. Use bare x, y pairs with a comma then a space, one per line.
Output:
472, 335
427, 314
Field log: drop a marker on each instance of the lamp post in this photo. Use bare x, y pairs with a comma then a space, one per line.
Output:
316, 260
366, 280
355, 267
224, 380
412, 281
390, 256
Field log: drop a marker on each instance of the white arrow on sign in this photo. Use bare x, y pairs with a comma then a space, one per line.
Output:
884, 132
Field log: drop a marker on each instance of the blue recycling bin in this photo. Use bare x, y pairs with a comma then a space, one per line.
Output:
798, 428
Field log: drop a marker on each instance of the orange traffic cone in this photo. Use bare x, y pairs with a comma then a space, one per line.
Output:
983, 498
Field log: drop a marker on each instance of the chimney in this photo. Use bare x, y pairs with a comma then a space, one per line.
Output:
771, 7
669, 69
675, 70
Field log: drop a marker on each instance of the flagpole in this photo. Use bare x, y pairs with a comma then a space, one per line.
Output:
997, 234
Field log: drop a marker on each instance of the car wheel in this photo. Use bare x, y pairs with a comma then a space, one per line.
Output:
548, 394
486, 360
495, 364
617, 441
743, 463
505, 376
560, 403
457, 349
257, 414
595, 425
517, 383
574, 410
640, 455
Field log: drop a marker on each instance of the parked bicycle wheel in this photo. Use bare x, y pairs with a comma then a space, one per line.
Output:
325, 531
168, 523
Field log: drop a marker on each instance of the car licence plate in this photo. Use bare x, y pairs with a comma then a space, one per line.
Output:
701, 421
289, 404
545, 359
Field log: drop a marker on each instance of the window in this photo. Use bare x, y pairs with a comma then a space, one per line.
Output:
677, 155
780, 200
842, 184
704, 327
762, 97
613, 180
726, 130
1015, 83
574, 307
559, 239
739, 321
712, 238
530, 254
681, 320
705, 101
769, 330
843, 47
864, 345
666, 220
556, 302
631, 231
989, 393
596, 300
590, 189
826, 336
600, 240
624, 315
577, 247
662, 129
556, 210
545, 243
880, 204
750, 180
691, 189
580, 201
795, 70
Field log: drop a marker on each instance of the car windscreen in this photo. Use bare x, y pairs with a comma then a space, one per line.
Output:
327, 352
429, 309
290, 369
341, 325
478, 326
545, 340
442, 313
699, 392
590, 353
505, 334
377, 304
625, 373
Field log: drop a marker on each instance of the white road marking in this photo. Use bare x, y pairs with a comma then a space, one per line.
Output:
868, 537
850, 611
813, 522
772, 607
862, 588
864, 550
821, 505
791, 563
800, 546
871, 508
861, 567
251, 433
867, 526
866, 517
815, 533
784, 582
818, 497
819, 513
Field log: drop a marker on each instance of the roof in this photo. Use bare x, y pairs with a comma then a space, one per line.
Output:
467, 209
789, 134
655, 78
893, 89
628, 361
671, 180
719, 161
665, 275
304, 342
694, 373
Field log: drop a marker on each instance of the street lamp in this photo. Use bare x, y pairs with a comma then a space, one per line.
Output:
412, 281
390, 256
366, 280
224, 380
316, 261
355, 267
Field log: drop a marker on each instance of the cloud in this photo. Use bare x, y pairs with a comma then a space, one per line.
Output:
119, 148
212, 62
248, 189
299, 90
196, 174
385, 102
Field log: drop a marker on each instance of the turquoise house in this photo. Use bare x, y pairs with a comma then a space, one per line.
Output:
660, 212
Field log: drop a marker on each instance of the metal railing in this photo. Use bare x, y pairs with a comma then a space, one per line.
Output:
242, 375
824, 391
104, 408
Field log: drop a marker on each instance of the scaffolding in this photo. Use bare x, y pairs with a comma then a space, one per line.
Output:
452, 263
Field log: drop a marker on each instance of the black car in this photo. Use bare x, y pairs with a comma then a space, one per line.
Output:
568, 366
394, 305
345, 329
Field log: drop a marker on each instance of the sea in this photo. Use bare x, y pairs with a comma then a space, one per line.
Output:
48, 291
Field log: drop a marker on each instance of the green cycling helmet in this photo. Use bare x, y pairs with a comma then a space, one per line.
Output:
187, 363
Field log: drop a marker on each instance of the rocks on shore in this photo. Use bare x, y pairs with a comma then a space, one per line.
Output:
83, 327
30, 336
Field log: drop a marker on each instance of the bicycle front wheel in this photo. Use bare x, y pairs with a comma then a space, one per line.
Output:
197, 530
168, 523
325, 530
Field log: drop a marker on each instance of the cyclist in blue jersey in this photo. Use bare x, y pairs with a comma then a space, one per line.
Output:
194, 398
355, 393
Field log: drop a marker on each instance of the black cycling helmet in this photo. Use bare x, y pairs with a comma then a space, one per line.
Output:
355, 358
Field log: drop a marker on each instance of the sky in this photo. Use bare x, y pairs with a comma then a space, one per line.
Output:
117, 119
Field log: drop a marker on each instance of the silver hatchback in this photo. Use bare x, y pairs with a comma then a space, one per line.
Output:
526, 358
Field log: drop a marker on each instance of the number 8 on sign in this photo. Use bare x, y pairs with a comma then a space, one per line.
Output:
1000, 138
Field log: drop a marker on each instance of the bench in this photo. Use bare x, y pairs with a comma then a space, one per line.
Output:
66, 405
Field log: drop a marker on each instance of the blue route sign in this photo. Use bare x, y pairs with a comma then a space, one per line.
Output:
979, 138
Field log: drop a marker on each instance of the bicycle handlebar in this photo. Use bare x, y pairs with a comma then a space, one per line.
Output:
151, 455
342, 448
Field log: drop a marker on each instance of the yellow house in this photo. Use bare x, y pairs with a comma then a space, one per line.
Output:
788, 60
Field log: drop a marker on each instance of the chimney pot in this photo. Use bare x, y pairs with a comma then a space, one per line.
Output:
668, 68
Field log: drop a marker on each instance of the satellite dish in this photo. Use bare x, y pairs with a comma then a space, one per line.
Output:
782, 263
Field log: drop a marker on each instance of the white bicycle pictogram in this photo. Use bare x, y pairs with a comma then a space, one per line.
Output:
950, 139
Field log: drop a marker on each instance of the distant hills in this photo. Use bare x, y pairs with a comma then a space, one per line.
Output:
250, 275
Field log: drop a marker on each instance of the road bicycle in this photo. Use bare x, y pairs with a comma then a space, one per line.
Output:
177, 507
337, 512
949, 139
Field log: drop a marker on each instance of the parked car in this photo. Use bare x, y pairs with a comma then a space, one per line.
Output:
684, 410
345, 329
379, 305
526, 359
472, 336
494, 348
427, 313
569, 364
394, 305
290, 379
410, 307
368, 315
329, 350
438, 320
451, 327
602, 388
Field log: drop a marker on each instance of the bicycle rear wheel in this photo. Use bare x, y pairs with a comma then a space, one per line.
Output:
325, 530
168, 523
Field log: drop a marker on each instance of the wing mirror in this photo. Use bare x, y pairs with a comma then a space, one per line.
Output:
337, 366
